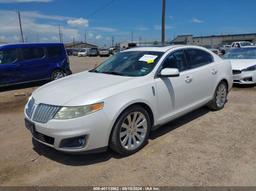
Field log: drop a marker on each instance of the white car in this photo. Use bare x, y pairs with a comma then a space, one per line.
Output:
118, 103
82, 52
241, 44
243, 62
104, 52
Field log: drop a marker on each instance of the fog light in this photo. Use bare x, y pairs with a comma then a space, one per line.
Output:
248, 79
75, 142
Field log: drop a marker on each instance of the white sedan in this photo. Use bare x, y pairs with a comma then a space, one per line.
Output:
117, 104
82, 52
243, 62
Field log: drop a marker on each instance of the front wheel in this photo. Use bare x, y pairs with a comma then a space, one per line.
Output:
131, 131
220, 97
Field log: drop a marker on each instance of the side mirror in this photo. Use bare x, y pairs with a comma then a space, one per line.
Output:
169, 72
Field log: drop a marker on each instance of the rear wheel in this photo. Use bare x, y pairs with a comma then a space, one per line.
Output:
57, 74
220, 97
131, 131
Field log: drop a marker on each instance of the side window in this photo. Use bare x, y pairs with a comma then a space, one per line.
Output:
198, 58
32, 53
176, 60
54, 52
8, 56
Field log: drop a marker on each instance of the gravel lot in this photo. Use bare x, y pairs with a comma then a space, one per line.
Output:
202, 148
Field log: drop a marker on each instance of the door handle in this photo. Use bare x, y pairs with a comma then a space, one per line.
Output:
214, 72
188, 79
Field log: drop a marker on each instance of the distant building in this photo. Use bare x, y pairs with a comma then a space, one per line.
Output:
214, 41
80, 45
2, 42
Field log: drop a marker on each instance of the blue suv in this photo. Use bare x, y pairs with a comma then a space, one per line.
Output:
24, 63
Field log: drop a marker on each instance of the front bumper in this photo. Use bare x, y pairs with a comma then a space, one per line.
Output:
95, 128
246, 78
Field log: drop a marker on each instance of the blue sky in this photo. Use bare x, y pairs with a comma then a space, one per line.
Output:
102, 19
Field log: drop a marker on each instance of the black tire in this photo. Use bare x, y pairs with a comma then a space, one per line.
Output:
57, 74
213, 105
115, 139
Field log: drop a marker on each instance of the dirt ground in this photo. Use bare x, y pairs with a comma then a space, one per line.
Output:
203, 148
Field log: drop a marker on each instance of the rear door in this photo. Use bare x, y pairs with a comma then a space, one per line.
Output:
203, 75
56, 58
9, 67
33, 65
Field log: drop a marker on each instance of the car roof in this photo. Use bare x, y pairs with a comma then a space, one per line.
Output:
162, 49
23, 45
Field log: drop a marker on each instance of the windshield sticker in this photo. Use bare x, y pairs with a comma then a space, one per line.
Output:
148, 58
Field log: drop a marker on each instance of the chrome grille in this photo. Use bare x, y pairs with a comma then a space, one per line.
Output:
30, 107
44, 113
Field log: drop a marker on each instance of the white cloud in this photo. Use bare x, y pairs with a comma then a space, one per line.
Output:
196, 20
98, 37
142, 28
170, 17
37, 15
103, 29
25, 1
32, 28
91, 35
80, 22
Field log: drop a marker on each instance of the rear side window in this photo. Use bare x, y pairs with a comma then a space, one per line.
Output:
198, 58
32, 53
176, 60
54, 51
8, 56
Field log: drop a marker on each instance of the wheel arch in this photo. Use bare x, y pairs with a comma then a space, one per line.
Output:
225, 81
141, 104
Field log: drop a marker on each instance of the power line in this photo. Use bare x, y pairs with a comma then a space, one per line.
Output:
100, 9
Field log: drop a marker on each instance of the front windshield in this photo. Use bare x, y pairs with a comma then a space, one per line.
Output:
132, 63
241, 53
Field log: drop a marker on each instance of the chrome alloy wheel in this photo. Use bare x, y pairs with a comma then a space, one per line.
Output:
133, 130
221, 95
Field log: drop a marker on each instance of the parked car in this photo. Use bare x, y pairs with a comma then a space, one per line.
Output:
104, 52
75, 51
82, 53
93, 52
118, 103
243, 62
216, 51
241, 44
23, 63
69, 51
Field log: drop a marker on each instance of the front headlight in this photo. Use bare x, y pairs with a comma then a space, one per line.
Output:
252, 68
77, 111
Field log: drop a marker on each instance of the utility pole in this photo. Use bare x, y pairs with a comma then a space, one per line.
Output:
74, 40
85, 37
163, 21
132, 36
112, 41
21, 31
60, 34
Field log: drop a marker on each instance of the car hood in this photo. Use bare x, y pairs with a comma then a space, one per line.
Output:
241, 64
80, 89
